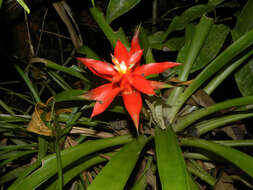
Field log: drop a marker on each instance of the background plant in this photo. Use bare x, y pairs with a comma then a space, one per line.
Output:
186, 140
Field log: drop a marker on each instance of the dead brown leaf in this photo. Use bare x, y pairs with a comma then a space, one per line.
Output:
65, 13
236, 132
202, 98
90, 132
37, 125
224, 183
179, 82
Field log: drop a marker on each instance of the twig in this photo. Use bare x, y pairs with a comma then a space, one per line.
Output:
70, 57
52, 33
60, 45
42, 27
29, 35
60, 8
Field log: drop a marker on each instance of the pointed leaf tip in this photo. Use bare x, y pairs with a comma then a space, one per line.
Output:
133, 104
135, 46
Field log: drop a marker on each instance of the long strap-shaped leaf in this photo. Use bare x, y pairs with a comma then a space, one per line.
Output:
189, 119
116, 173
49, 166
240, 159
233, 50
74, 171
170, 161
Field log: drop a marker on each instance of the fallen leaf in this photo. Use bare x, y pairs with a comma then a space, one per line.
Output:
37, 125
224, 183
202, 98
236, 132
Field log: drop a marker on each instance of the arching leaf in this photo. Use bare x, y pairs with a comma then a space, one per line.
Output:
117, 8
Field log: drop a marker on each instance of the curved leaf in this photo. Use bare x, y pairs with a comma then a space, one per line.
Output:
22, 3
210, 49
200, 172
88, 52
187, 120
49, 166
208, 125
197, 42
115, 174
240, 159
112, 36
244, 79
233, 50
182, 21
74, 171
219, 78
244, 21
117, 8
68, 95
68, 70
170, 161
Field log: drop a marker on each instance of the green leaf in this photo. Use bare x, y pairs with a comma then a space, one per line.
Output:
28, 83
180, 22
240, 159
244, 21
117, 8
192, 183
198, 171
236, 143
70, 71
171, 165
15, 156
173, 44
215, 2
25, 173
14, 118
111, 35
223, 74
82, 121
22, 3
117, 171
7, 108
187, 120
69, 95
74, 171
244, 79
12, 174
229, 53
211, 47
59, 80
70, 155
208, 125
141, 182
196, 43
88, 52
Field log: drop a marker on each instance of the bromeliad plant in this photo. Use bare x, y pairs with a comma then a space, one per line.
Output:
127, 78
176, 136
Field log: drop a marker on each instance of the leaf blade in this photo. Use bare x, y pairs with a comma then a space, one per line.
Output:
170, 161
116, 8
49, 167
108, 178
240, 159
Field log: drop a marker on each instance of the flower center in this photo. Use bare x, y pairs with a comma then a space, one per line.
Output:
120, 67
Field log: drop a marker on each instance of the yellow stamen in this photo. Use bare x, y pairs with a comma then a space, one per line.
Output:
123, 67
120, 67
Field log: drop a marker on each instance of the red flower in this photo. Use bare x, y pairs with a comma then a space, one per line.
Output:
127, 78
